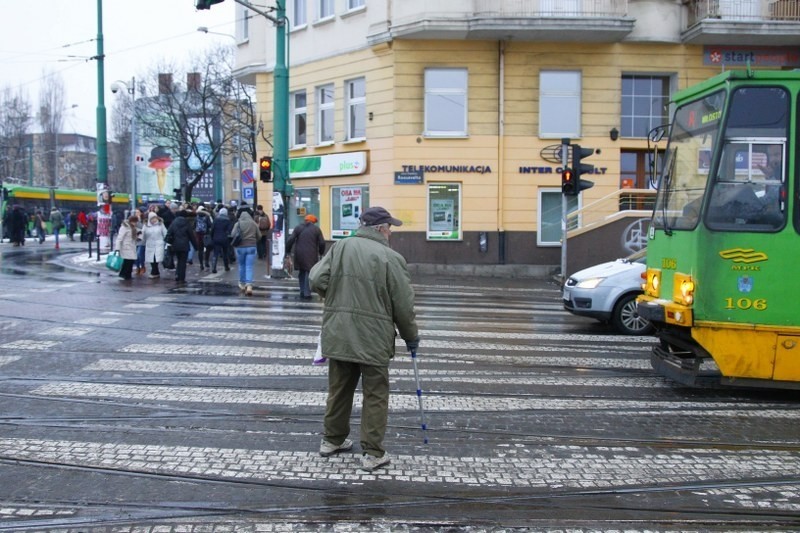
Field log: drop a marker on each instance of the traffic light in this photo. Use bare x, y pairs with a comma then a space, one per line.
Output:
265, 169
206, 4
568, 182
578, 155
579, 168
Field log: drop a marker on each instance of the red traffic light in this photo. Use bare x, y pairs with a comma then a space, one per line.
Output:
265, 166
568, 185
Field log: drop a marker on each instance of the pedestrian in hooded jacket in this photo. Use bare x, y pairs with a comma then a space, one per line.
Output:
309, 245
220, 235
180, 235
56, 223
247, 228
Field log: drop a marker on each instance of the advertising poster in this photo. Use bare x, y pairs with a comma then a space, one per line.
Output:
160, 172
351, 208
442, 224
278, 241
442, 215
204, 189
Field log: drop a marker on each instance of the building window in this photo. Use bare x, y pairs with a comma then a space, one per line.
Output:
645, 104
236, 185
325, 112
444, 212
297, 124
356, 126
549, 222
243, 23
355, 4
325, 9
559, 104
299, 13
446, 102
347, 204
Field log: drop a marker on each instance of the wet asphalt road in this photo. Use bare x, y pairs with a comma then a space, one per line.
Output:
147, 406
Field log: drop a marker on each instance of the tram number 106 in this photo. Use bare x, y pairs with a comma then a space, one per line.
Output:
743, 304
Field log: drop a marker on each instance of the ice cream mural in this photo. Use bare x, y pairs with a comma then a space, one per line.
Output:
160, 160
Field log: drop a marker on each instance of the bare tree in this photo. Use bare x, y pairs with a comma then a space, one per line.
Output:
15, 124
51, 120
200, 120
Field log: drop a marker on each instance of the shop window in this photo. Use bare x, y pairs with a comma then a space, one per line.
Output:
304, 201
444, 212
347, 204
549, 223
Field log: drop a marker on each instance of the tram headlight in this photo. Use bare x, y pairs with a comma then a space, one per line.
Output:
652, 286
683, 292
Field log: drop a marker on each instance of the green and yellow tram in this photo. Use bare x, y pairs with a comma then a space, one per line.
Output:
43, 198
723, 242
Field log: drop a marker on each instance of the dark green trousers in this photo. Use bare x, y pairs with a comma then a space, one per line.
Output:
342, 381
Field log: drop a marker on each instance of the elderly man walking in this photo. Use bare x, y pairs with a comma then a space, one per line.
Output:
367, 290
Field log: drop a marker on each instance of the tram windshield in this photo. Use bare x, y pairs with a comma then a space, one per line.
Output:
694, 134
748, 189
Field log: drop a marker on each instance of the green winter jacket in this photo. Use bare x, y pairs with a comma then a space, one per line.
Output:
367, 290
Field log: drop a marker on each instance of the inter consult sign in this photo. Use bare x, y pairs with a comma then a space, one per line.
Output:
756, 56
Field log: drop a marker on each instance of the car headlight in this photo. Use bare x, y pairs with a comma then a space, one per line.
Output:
590, 283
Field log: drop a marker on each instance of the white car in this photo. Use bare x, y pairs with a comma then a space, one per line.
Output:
607, 292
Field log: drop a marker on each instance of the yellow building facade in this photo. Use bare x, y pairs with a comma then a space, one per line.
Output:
487, 189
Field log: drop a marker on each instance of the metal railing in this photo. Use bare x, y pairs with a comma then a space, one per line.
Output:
743, 10
618, 204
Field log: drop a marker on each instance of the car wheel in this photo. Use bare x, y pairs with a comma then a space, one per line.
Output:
625, 317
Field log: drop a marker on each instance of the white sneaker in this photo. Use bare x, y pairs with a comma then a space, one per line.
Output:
326, 449
371, 463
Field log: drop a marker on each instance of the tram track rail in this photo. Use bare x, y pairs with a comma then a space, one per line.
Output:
400, 499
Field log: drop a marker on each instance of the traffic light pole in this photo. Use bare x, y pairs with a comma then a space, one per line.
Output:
564, 213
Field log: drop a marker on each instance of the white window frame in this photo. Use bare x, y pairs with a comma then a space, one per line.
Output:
355, 108
352, 5
243, 24
299, 14
445, 100
560, 104
237, 185
326, 114
573, 203
326, 9
294, 112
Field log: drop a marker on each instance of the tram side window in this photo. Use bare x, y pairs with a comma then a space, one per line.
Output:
746, 193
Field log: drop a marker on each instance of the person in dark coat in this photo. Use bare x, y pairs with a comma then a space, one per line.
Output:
309, 245
18, 225
220, 232
180, 235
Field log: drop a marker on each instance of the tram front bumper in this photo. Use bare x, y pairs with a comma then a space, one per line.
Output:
664, 311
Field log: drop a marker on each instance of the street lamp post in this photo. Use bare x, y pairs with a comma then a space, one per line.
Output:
131, 88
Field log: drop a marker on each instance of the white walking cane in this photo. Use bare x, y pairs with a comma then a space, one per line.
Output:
419, 395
